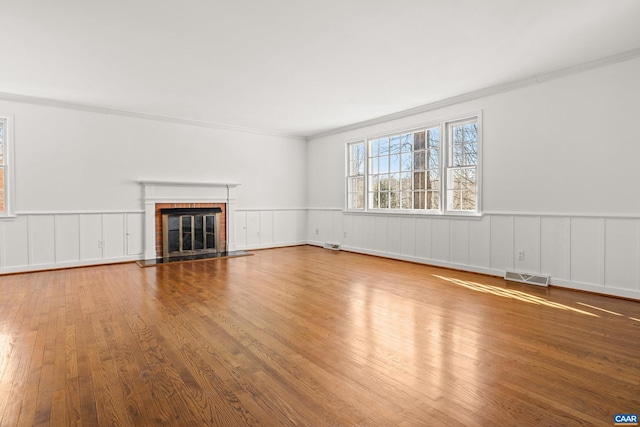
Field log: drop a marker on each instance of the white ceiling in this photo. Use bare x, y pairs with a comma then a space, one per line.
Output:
295, 66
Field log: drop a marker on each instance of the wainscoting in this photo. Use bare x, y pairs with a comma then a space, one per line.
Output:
259, 229
54, 240
592, 253
40, 241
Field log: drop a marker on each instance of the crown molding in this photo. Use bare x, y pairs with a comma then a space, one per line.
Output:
491, 90
48, 102
469, 96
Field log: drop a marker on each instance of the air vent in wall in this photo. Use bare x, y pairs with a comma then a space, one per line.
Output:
332, 246
531, 279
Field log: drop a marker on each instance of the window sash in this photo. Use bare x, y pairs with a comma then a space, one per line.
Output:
428, 170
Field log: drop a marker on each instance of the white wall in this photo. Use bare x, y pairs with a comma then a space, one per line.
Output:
77, 173
559, 182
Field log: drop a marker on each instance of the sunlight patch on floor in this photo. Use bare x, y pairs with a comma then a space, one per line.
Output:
598, 308
512, 293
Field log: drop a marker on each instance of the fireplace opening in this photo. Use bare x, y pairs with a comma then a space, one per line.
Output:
191, 231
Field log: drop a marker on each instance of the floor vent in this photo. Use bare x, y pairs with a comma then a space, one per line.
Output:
332, 246
531, 279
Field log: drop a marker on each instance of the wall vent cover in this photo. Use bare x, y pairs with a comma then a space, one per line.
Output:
531, 279
332, 246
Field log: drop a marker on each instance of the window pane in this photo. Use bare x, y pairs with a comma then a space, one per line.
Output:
433, 180
462, 189
374, 150
407, 142
375, 200
406, 162
433, 138
471, 132
395, 163
384, 200
406, 199
374, 183
394, 143
394, 182
418, 181
418, 200
457, 155
373, 165
470, 153
394, 200
356, 201
418, 141
384, 146
458, 135
384, 164
433, 200
418, 160
468, 200
433, 159
405, 181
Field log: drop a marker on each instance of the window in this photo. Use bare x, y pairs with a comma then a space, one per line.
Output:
5, 165
355, 176
432, 169
462, 146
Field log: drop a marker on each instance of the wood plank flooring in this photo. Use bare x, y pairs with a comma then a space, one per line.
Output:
309, 337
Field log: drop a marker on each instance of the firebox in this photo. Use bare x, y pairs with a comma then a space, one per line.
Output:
190, 231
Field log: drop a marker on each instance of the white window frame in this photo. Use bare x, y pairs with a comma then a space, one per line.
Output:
349, 176
444, 167
8, 166
447, 165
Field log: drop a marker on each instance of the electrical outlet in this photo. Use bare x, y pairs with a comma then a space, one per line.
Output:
521, 255
101, 243
345, 234
317, 231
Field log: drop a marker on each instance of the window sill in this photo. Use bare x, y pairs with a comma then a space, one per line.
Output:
416, 214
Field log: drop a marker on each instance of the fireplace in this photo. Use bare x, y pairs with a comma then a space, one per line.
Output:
218, 199
191, 231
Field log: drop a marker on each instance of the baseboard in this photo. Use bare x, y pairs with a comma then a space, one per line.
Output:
269, 246
69, 264
596, 289
586, 287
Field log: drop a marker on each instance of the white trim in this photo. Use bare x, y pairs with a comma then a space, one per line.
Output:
564, 214
605, 290
491, 90
71, 264
416, 214
271, 209
132, 211
188, 183
56, 103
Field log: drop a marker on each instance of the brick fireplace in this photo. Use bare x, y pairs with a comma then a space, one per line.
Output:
158, 222
162, 195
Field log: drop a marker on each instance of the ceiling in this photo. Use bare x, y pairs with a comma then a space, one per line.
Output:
295, 67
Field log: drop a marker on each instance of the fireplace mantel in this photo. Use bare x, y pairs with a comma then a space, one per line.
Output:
186, 192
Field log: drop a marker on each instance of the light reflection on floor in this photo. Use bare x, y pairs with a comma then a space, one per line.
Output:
395, 331
512, 293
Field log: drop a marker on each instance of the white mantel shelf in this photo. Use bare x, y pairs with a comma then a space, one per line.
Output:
186, 192
189, 184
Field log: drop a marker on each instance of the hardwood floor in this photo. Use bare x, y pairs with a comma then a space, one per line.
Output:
310, 337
